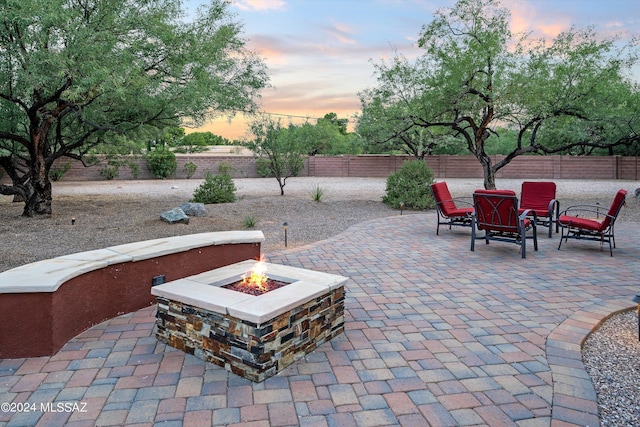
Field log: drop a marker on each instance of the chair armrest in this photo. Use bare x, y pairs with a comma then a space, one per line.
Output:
596, 209
576, 210
554, 203
464, 200
526, 212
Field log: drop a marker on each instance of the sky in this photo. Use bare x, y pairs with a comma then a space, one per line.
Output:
321, 53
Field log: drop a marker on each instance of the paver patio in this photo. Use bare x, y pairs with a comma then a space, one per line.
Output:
435, 335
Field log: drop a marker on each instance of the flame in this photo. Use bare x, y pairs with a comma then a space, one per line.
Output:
257, 277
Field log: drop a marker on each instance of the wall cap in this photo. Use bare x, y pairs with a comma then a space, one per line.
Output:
48, 275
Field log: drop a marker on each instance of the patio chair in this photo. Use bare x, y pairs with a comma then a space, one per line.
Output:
590, 222
448, 212
496, 212
540, 197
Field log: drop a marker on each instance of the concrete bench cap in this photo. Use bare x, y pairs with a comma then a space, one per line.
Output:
48, 275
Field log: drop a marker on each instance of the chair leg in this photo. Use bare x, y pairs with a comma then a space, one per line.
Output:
523, 239
473, 235
561, 237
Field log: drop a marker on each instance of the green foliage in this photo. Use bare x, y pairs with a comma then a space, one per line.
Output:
250, 221
103, 69
204, 139
161, 163
263, 166
277, 149
135, 169
215, 189
327, 137
56, 173
110, 172
190, 169
567, 95
111, 169
411, 185
226, 168
317, 193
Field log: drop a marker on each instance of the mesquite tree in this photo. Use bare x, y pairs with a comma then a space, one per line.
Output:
476, 75
77, 72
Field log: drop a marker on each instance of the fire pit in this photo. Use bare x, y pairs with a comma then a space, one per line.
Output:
256, 333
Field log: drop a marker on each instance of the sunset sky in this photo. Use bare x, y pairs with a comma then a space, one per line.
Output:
319, 53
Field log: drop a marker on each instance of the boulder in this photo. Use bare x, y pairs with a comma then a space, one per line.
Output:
194, 209
174, 216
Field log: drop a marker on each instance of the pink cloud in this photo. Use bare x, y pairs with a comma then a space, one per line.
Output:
342, 33
525, 18
259, 5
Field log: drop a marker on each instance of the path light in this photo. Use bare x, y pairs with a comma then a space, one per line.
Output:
636, 299
285, 225
73, 221
401, 207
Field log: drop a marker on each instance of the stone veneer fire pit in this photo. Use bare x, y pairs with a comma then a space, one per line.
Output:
253, 336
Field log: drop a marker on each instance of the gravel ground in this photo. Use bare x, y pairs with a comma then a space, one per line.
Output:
611, 355
115, 212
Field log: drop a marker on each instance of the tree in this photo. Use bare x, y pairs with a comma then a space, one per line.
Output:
76, 73
324, 138
475, 75
332, 118
277, 149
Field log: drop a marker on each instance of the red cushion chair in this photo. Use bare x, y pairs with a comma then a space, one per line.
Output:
540, 197
448, 212
590, 222
496, 212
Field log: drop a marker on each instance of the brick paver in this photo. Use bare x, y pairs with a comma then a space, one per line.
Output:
434, 334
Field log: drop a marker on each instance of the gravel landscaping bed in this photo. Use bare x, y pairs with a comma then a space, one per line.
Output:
115, 212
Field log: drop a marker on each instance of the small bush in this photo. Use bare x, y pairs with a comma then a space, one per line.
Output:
135, 170
189, 169
411, 185
162, 163
110, 172
317, 193
250, 221
215, 189
57, 173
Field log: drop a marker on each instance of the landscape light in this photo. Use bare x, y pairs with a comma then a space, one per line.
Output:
285, 225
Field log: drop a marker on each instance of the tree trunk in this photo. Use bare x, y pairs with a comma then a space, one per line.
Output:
39, 194
489, 174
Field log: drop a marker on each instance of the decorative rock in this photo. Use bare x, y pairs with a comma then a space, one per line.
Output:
175, 215
194, 209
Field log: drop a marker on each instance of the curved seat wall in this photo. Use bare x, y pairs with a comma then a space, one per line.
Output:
46, 303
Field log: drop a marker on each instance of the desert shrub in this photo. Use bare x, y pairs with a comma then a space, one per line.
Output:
162, 163
250, 221
110, 172
135, 169
317, 193
189, 169
263, 167
56, 173
411, 185
112, 169
215, 189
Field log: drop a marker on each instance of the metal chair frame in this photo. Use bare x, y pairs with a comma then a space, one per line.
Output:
605, 234
496, 212
451, 220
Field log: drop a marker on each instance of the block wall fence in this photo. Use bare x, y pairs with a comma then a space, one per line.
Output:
372, 166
